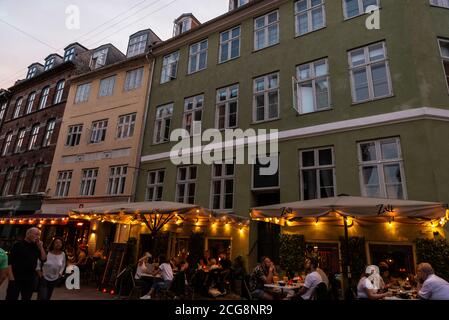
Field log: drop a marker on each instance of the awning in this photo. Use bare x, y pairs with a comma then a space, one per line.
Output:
355, 207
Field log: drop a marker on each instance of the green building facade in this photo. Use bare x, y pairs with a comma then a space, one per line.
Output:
359, 112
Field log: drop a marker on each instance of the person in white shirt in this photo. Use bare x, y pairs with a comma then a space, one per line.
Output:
166, 272
431, 287
52, 270
369, 285
313, 279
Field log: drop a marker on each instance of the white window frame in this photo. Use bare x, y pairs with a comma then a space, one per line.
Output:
440, 3
98, 131
88, 182
313, 79
30, 102
83, 93
31, 72
18, 108
59, 91
229, 43
234, 4
222, 178
308, 11
266, 92
44, 98
49, 133
194, 127
227, 105
117, 180
63, 180
368, 68
186, 183
107, 86
74, 135
3, 110
49, 64
20, 139
134, 79
33, 138
69, 54
170, 67
317, 168
152, 189
196, 54
444, 59
126, 126
137, 45
163, 113
265, 28
361, 5
7, 145
380, 163
98, 58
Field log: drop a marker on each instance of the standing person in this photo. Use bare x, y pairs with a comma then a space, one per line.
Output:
3, 266
166, 272
262, 274
431, 287
52, 270
23, 262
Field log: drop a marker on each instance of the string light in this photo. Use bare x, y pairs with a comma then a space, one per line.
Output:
317, 221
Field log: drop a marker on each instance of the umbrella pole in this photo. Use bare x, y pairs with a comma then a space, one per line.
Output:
347, 267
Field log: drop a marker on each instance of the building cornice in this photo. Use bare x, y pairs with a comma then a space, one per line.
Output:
424, 113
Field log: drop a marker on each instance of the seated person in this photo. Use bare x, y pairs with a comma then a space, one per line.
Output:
313, 279
367, 289
144, 270
166, 272
431, 287
225, 265
213, 264
263, 274
180, 280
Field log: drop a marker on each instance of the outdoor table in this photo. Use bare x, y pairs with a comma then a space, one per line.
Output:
277, 287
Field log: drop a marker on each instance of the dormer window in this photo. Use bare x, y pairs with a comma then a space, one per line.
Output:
31, 72
234, 4
137, 45
49, 64
183, 25
99, 58
69, 54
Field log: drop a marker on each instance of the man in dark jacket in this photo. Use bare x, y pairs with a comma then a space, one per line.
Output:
23, 261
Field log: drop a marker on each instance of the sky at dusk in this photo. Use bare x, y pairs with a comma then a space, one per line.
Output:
30, 30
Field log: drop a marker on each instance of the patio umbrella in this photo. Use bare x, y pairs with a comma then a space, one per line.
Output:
155, 214
332, 210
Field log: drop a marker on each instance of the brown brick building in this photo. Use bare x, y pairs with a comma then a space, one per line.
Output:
31, 114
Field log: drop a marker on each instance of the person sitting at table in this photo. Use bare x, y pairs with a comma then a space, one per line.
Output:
313, 279
202, 265
262, 274
213, 264
180, 283
366, 289
431, 287
166, 272
145, 271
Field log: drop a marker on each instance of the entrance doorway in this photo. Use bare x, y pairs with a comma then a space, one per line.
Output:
398, 257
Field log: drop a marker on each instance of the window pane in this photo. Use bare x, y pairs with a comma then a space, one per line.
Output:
368, 151
371, 176
361, 85
307, 99
389, 150
380, 80
322, 94
376, 52
308, 159
317, 18
358, 57
309, 184
395, 192
352, 8
393, 174
325, 157
303, 23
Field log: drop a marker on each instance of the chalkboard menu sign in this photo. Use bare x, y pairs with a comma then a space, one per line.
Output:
114, 266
